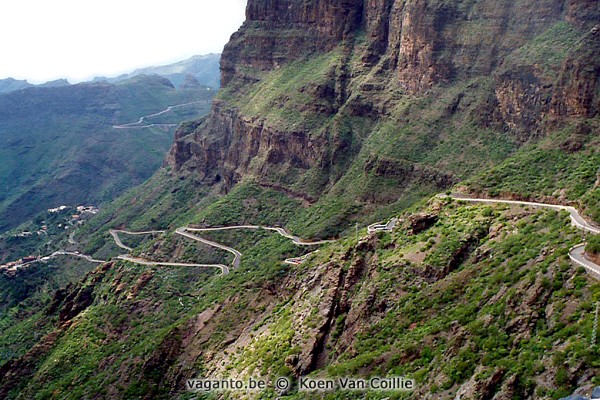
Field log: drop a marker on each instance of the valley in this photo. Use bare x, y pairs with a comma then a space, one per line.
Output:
61, 147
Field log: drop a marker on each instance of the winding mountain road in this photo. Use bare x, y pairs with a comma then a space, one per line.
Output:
75, 254
72, 238
125, 257
237, 256
281, 231
60, 253
115, 234
224, 269
299, 260
377, 227
577, 253
139, 123
576, 218
187, 233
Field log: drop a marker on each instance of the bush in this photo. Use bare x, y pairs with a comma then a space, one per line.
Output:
593, 245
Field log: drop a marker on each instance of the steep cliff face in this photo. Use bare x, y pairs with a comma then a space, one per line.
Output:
356, 68
578, 88
276, 32
239, 144
427, 41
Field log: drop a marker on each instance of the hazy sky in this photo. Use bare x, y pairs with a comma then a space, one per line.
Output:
43, 40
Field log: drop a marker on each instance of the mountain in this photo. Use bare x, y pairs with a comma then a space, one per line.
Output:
204, 69
201, 70
334, 115
60, 146
10, 85
363, 110
55, 83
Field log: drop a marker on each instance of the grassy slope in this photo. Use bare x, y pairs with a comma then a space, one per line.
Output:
443, 333
439, 333
549, 170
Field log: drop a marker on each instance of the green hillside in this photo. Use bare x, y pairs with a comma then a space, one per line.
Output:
442, 306
60, 146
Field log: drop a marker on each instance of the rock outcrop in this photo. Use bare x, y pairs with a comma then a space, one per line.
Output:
421, 222
276, 32
232, 141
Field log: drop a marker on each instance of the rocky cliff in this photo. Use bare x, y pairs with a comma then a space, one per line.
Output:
351, 67
276, 32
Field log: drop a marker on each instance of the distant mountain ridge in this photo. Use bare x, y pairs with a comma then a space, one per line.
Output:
200, 70
11, 85
55, 83
197, 70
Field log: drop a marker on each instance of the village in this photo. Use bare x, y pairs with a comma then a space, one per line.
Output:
75, 217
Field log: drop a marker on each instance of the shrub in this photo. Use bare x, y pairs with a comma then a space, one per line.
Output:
593, 245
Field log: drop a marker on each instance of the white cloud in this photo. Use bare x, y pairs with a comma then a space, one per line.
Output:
75, 39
